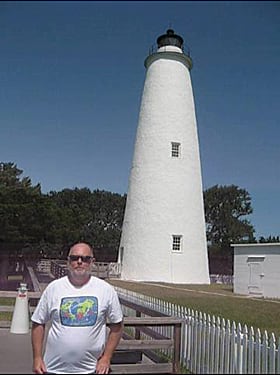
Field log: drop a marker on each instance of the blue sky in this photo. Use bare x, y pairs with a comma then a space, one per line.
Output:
71, 80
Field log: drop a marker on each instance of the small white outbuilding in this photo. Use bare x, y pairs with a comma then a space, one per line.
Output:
257, 269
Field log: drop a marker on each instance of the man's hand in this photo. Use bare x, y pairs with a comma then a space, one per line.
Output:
115, 334
103, 365
39, 366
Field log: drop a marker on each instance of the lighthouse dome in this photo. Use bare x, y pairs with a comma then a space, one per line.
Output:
170, 39
170, 42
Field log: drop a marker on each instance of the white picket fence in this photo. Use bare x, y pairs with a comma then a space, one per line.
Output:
211, 345
221, 279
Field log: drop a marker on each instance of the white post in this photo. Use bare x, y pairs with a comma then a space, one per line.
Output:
20, 320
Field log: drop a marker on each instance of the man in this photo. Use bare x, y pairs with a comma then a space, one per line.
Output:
78, 306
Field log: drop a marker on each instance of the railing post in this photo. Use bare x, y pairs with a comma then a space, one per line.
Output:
177, 348
108, 270
137, 330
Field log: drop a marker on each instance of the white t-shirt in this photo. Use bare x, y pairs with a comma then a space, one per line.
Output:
77, 334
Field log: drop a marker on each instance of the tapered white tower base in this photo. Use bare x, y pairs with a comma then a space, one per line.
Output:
164, 237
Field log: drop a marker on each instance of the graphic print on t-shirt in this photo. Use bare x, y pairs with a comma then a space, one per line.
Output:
78, 311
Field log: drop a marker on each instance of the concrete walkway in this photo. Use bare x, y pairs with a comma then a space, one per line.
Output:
15, 352
15, 348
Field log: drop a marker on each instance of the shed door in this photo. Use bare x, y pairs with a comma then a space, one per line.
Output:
255, 275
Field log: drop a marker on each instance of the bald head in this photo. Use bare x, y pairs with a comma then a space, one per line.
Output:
81, 248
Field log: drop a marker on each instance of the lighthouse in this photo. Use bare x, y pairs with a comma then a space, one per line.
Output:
164, 236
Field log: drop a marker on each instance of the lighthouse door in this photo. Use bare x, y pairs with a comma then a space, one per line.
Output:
255, 275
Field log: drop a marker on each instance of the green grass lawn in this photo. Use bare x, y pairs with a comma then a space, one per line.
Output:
215, 299
7, 301
6, 315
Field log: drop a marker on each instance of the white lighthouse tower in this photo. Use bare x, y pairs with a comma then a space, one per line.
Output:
164, 236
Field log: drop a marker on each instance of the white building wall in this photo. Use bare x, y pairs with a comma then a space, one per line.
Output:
165, 194
256, 269
271, 279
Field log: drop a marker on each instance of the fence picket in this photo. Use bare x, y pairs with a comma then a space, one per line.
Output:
203, 344
278, 357
217, 345
264, 351
199, 343
208, 343
258, 352
222, 347
238, 346
251, 356
188, 337
212, 344
232, 349
245, 350
272, 355
227, 348
195, 343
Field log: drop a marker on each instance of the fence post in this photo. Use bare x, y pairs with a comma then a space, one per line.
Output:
177, 348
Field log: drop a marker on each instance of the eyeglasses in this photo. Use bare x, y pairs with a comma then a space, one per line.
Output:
85, 259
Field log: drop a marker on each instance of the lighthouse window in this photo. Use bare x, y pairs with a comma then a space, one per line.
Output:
175, 149
177, 243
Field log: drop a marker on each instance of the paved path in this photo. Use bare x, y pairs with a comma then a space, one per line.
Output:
15, 352
16, 349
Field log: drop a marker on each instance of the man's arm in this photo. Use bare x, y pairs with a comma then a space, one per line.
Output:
115, 334
37, 338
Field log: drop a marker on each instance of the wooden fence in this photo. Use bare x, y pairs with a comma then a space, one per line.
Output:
211, 345
137, 343
58, 268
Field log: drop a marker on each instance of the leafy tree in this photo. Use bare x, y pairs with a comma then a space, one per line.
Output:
71, 211
95, 217
224, 208
269, 239
10, 176
21, 206
104, 227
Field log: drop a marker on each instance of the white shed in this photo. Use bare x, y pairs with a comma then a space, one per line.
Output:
257, 269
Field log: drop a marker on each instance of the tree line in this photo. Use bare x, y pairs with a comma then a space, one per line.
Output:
48, 223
